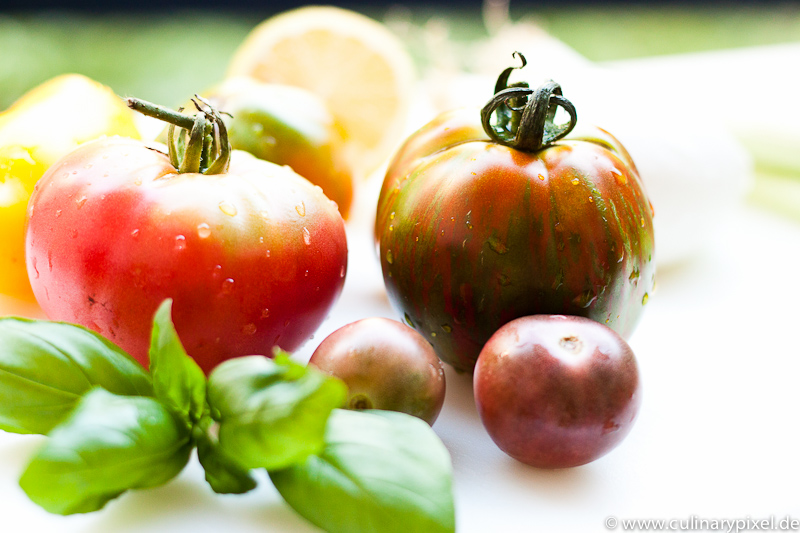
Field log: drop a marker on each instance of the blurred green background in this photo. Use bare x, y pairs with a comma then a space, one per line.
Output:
166, 55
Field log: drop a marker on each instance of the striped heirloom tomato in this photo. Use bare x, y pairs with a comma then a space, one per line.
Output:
487, 217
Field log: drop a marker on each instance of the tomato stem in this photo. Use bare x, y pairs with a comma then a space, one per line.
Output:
525, 117
207, 150
161, 113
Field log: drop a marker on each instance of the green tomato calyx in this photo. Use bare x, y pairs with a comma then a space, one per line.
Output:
198, 143
524, 117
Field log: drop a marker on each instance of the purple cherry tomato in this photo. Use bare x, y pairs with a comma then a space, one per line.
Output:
556, 391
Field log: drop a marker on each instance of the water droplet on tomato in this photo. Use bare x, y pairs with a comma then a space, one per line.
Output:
228, 208
575, 181
541, 177
585, 299
265, 313
180, 242
135, 233
80, 201
268, 253
306, 273
408, 320
469, 224
446, 328
58, 213
301, 209
558, 282
249, 329
619, 176
227, 285
203, 230
342, 271
391, 227
645, 298
306, 236
634, 277
641, 222
389, 257
391, 215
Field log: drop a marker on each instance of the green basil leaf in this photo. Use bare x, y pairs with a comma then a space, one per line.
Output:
380, 472
271, 413
108, 445
45, 368
178, 381
223, 473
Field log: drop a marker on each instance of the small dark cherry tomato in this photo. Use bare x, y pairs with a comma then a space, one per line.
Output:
556, 391
386, 365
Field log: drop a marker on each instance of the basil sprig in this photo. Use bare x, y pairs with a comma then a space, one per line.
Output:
272, 414
46, 367
380, 472
108, 445
113, 426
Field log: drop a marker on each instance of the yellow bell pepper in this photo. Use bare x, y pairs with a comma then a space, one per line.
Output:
38, 129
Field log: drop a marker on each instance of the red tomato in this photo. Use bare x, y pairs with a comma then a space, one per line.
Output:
477, 226
253, 257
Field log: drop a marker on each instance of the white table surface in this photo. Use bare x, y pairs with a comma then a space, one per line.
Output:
717, 435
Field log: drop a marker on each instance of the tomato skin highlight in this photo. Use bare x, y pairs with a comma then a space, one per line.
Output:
473, 234
252, 259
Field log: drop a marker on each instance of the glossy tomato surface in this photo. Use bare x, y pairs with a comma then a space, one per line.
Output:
385, 365
557, 391
253, 258
287, 126
473, 234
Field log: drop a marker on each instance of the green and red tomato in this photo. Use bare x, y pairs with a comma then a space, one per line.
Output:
488, 216
287, 125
